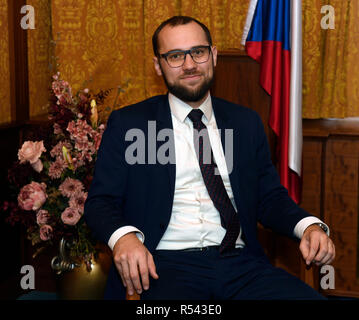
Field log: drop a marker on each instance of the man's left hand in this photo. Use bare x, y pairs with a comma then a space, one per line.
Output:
316, 246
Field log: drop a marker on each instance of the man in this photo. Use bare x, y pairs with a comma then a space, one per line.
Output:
186, 228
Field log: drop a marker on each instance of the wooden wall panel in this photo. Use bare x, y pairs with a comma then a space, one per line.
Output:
237, 80
341, 209
312, 176
339, 189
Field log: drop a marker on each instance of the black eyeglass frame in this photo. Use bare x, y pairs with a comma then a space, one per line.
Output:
165, 55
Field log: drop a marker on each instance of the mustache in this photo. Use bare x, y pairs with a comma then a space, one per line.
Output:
190, 73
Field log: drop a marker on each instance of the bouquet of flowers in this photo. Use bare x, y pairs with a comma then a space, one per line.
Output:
54, 171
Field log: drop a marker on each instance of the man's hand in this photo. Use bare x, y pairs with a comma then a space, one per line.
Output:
134, 262
316, 246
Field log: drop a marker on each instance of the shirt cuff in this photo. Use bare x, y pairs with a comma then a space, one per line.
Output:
120, 232
304, 224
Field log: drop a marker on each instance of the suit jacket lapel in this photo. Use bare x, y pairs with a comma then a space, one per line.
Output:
164, 121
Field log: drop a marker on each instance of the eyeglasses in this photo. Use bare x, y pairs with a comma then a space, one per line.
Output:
176, 58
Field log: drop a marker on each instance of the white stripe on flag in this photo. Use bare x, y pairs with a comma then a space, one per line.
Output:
295, 105
251, 9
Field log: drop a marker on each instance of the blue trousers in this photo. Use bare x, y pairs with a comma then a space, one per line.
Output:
205, 275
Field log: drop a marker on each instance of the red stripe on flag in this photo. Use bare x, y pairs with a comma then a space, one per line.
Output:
295, 186
275, 79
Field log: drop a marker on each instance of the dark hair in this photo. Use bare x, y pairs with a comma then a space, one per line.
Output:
176, 21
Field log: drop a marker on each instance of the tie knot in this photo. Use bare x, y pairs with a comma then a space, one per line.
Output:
195, 115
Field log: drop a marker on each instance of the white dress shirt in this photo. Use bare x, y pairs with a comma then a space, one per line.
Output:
195, 222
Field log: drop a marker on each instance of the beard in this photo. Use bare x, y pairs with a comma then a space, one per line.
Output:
186, 94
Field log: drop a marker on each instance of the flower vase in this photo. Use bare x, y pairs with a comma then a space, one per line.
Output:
76, 281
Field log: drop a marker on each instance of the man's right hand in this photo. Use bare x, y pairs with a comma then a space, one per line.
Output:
134, 263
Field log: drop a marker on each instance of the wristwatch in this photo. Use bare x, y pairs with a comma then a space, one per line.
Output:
323, 227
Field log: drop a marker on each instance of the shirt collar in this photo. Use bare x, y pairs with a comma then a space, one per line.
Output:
180, 109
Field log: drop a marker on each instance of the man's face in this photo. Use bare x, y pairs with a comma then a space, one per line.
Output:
191, 81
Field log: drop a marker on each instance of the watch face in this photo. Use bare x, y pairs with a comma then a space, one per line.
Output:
325, 229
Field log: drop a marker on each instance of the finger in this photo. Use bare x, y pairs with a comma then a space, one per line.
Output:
326, 260
143, 269
119, 268
152, 267
127, 277
330, 255
323, 250
314, 245
134, 275
304, 248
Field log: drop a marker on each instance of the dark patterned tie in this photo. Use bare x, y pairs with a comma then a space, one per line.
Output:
214, 182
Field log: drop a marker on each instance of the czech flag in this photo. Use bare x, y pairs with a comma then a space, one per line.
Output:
273, 37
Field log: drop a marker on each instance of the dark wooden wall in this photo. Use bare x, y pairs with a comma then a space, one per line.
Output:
331, 189
244, 90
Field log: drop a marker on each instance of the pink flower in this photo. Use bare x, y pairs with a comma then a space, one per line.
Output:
62, 91
37, 166
70, 187
32, 196
45, 232
56, 151
56, 168
79, 130
78, 162
56, 76
82, 145
70, 216
97, 139
77, 202
86, 151
42, 217
31, 151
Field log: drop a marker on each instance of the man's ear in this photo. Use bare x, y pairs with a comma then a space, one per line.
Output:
214, 53
157, 66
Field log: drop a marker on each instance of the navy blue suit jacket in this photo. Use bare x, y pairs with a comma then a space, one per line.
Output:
141, 195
